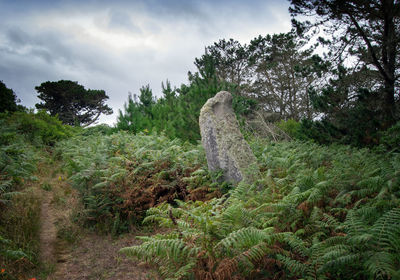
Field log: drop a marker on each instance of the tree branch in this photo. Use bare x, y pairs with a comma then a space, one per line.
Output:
370, 48
93, 120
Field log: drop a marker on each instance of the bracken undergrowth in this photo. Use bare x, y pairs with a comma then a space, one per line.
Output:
122, 175
316, 213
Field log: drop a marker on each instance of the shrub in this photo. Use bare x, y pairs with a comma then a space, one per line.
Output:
102, 129
390, 138
37, 128
322, 132
292, 128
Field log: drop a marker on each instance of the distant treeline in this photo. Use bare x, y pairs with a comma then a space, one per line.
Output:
280, 78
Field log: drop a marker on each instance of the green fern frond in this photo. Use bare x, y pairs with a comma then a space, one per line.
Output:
382, 265
246, 238
296, 243
386, 231
239, 193
10, 195
354, 224
173, 249
4, 185
296, 267
340, 259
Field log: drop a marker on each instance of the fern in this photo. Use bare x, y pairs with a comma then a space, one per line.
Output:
376, 247
175, 258
123, 175
316, 213
296, 267
246, 238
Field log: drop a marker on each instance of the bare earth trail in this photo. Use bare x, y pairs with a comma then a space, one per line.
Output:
70, 252
48, 230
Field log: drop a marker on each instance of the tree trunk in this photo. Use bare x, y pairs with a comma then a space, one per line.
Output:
389, 61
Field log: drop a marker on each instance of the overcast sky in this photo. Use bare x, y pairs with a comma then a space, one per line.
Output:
118, 45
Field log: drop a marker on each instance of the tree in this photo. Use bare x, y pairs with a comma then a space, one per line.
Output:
367, 32
350, 108
275, 70
138, 111
132, 119
146, 100
284, 70
177, 112
229, 59
73, 104
8, 99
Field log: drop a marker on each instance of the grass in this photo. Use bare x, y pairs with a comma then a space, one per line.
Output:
21, 224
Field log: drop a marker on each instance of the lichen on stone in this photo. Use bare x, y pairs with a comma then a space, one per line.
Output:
225, 146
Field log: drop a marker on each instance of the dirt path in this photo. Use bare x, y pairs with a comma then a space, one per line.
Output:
70, 252
48, 230
97, 257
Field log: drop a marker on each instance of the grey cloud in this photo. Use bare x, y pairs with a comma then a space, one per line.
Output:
23, 73
58, 49
190, 10
122, 20
44, 54
30, 55
46, 46
17, 37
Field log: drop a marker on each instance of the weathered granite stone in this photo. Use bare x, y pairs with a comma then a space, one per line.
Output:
223, 142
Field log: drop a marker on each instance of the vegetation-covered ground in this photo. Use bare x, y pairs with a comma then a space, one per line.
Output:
73, 200
316, 213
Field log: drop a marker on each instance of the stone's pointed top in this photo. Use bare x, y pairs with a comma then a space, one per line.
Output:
223, 142
222, 96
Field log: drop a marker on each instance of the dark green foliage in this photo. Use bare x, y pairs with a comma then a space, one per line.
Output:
320, 131
36, 128
323, 132
176, 113
138, 115
284, 69
8, 99
243, 106
390, 138
358, 101
102, 129
351, 114
73, 104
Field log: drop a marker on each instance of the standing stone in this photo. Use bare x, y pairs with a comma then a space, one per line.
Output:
223, 142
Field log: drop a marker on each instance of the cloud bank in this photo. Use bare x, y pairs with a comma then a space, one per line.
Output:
121, 45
